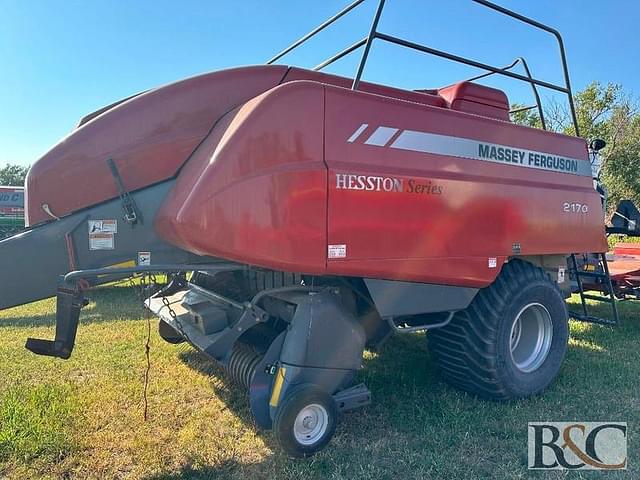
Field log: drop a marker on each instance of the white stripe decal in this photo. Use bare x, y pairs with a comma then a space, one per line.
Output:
489, 152
357, 133
381, 136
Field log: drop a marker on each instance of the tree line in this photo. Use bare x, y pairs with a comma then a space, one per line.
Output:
608, 113
13, 175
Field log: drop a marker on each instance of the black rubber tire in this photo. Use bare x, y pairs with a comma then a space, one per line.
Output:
170, 334
292, 404
472, 352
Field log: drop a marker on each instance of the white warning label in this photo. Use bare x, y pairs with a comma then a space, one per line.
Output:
144, 258
493, 262
103, 226
101, 241
337, 251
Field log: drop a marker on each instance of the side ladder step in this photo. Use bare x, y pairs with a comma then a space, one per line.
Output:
605, 280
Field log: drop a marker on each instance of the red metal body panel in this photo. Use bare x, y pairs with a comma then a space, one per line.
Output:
474, 98
423, 97
255, 191
482, 208
260, 149
149, 137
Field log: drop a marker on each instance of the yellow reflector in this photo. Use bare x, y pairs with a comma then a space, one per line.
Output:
277, 387
127, 264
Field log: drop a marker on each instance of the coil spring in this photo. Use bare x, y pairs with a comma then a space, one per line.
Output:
242, 364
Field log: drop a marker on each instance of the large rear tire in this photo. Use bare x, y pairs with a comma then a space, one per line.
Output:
511, 341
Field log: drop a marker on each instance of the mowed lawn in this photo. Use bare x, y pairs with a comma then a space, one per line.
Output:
83, 418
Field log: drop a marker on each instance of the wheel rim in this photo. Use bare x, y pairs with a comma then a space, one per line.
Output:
531, 335
311, 424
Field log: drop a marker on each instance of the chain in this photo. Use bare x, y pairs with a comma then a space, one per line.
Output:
147, 351
148, 285
144, 290
174, 317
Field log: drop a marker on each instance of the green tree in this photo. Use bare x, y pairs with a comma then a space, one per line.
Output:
13, 175
523, 115
606, 112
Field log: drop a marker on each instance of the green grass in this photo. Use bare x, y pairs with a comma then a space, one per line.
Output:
36, 422
82, 418
614, 240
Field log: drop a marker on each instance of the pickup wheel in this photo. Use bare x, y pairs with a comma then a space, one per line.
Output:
305, 421
511, 341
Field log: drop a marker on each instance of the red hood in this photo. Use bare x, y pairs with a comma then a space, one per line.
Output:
149, 137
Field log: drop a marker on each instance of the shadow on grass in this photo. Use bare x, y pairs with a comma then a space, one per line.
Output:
399, 374
221, 470
410, 403
604, 335
402, 367
233, 395
107, 304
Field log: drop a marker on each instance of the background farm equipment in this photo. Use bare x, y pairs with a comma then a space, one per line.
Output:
611, 277
301, 217
11, 211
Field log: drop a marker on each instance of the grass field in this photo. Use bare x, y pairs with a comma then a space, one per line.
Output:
82, 418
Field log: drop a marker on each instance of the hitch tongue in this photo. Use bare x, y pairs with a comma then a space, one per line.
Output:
69, 302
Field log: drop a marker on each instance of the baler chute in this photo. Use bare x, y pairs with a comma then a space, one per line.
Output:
302, 216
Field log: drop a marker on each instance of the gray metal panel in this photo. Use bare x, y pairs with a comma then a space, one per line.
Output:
32, 261
323, 334
395, 298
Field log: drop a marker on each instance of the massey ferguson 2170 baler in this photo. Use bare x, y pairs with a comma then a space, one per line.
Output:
302, 216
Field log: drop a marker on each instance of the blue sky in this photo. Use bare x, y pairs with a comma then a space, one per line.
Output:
60, 59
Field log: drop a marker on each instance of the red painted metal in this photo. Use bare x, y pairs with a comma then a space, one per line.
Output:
260, 186
256, 190
624, 264
484, 208
149, 137
478, 99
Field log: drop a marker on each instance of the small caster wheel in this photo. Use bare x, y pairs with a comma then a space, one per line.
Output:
305, 421
169, 334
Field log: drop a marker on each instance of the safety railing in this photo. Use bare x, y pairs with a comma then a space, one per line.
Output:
375, 34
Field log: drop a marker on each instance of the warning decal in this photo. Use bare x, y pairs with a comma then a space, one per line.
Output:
103, 226
337, 251
144, 258
101, 241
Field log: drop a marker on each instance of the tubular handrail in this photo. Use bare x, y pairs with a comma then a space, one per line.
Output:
533, 88
563, 54
374, 34
316, 30
341, 54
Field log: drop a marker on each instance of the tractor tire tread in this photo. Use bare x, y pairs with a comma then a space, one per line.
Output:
465, 350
